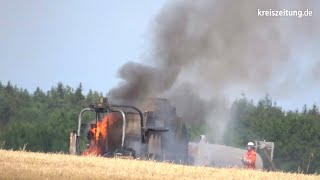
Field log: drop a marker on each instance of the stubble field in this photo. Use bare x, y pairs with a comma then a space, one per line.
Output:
28, 165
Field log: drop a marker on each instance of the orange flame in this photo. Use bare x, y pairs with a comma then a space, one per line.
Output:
98, 135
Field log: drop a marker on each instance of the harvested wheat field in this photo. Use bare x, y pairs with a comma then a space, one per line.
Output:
28, 165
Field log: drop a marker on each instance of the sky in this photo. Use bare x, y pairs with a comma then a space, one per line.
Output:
44, 42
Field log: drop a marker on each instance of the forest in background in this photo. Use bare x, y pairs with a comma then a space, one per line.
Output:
41, 121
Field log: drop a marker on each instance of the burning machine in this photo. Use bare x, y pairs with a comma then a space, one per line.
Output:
124, 131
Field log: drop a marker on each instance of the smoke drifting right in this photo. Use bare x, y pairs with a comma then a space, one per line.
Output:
204, 52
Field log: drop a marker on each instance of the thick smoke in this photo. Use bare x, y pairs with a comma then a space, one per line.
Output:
201, 50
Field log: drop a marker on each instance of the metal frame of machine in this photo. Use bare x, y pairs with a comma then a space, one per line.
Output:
150, 139
100, 108
268, 149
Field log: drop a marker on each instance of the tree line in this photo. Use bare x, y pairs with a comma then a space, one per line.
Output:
41, 121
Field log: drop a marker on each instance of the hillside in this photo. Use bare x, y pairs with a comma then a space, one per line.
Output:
27, 165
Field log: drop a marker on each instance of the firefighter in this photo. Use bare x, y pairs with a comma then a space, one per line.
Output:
249, 160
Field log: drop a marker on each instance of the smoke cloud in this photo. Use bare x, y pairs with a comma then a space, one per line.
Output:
201, 50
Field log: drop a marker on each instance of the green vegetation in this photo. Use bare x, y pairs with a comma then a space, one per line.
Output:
41, 121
